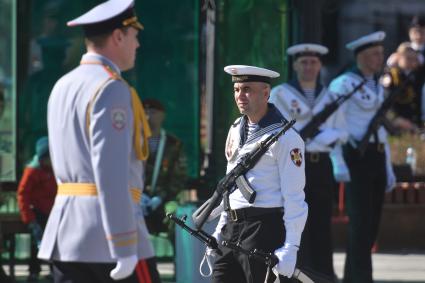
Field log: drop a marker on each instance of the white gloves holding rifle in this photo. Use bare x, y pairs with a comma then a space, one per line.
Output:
287, 256
124, 268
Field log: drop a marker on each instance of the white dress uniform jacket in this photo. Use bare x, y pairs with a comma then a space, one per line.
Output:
358, 111
94, 145
278, 177
292, 103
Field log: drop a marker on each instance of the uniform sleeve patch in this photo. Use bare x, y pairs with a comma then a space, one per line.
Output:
119, 118
296, 156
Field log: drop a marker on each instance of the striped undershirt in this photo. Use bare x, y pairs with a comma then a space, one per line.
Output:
251, 129
310, 95
154, 143
371, 83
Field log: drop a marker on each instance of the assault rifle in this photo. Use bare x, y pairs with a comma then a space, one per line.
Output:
201, 235
379, 117
300, 274
312, 128
268, 258
226, 184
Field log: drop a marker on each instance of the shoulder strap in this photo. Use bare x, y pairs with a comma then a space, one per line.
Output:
91, 102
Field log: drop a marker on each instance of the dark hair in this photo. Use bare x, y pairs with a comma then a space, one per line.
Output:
153, 103
100, 39
418, 21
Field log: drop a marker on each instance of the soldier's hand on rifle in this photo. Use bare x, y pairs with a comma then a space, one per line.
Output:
287, 256
210, 251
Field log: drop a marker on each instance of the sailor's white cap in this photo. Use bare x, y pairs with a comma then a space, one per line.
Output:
244, 73
307, 49
107, 16
366, 41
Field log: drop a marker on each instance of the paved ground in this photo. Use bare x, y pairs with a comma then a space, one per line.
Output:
394, 268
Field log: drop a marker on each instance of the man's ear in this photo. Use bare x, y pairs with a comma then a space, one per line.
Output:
266, 91
117, 36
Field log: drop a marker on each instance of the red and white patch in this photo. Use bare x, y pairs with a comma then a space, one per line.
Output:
297, 157
119, 118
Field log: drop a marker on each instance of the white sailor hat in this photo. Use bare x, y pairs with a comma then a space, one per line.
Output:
366, 41
107, 16
307, 49
243, 73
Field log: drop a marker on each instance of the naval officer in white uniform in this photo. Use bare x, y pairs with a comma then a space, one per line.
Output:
302, 98
275, 221
371, 173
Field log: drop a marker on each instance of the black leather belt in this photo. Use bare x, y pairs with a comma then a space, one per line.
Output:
315, 157
252, 212
373, 146
380, 147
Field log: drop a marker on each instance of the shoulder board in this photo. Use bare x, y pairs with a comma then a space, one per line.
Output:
113, 75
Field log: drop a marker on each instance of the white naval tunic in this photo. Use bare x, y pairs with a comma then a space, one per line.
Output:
292, 103
359, 110
278, 177
357, 113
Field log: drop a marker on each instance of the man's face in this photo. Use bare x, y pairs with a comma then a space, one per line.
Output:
251, 97
307, 68
408, 60
417, 35
155, 117
129, 45
372, 58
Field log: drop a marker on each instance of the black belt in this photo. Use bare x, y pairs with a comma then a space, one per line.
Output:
374, 146
251, 212
380, 147
315, 157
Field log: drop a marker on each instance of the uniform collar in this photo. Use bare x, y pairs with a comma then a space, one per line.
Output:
94, 58
357, 71
273, 116
296, 84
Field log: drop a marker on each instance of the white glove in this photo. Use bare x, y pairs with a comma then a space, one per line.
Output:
340, 169
341, 173
213, 252
391, 179
287, 256
125, 267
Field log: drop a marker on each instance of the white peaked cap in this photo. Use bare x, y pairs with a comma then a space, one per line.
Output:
309, 49
366, 41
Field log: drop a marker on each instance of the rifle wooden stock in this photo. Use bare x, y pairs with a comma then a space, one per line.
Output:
201, 215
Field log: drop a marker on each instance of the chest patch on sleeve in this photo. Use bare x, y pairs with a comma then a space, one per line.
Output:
296, 156
119, 118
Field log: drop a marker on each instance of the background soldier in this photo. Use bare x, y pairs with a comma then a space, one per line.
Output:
165, 168
274, 222
371, 173
302, 98
96, 125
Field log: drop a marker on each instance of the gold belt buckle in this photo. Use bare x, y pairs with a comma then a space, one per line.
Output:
314, 157
381, 147
233, 215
